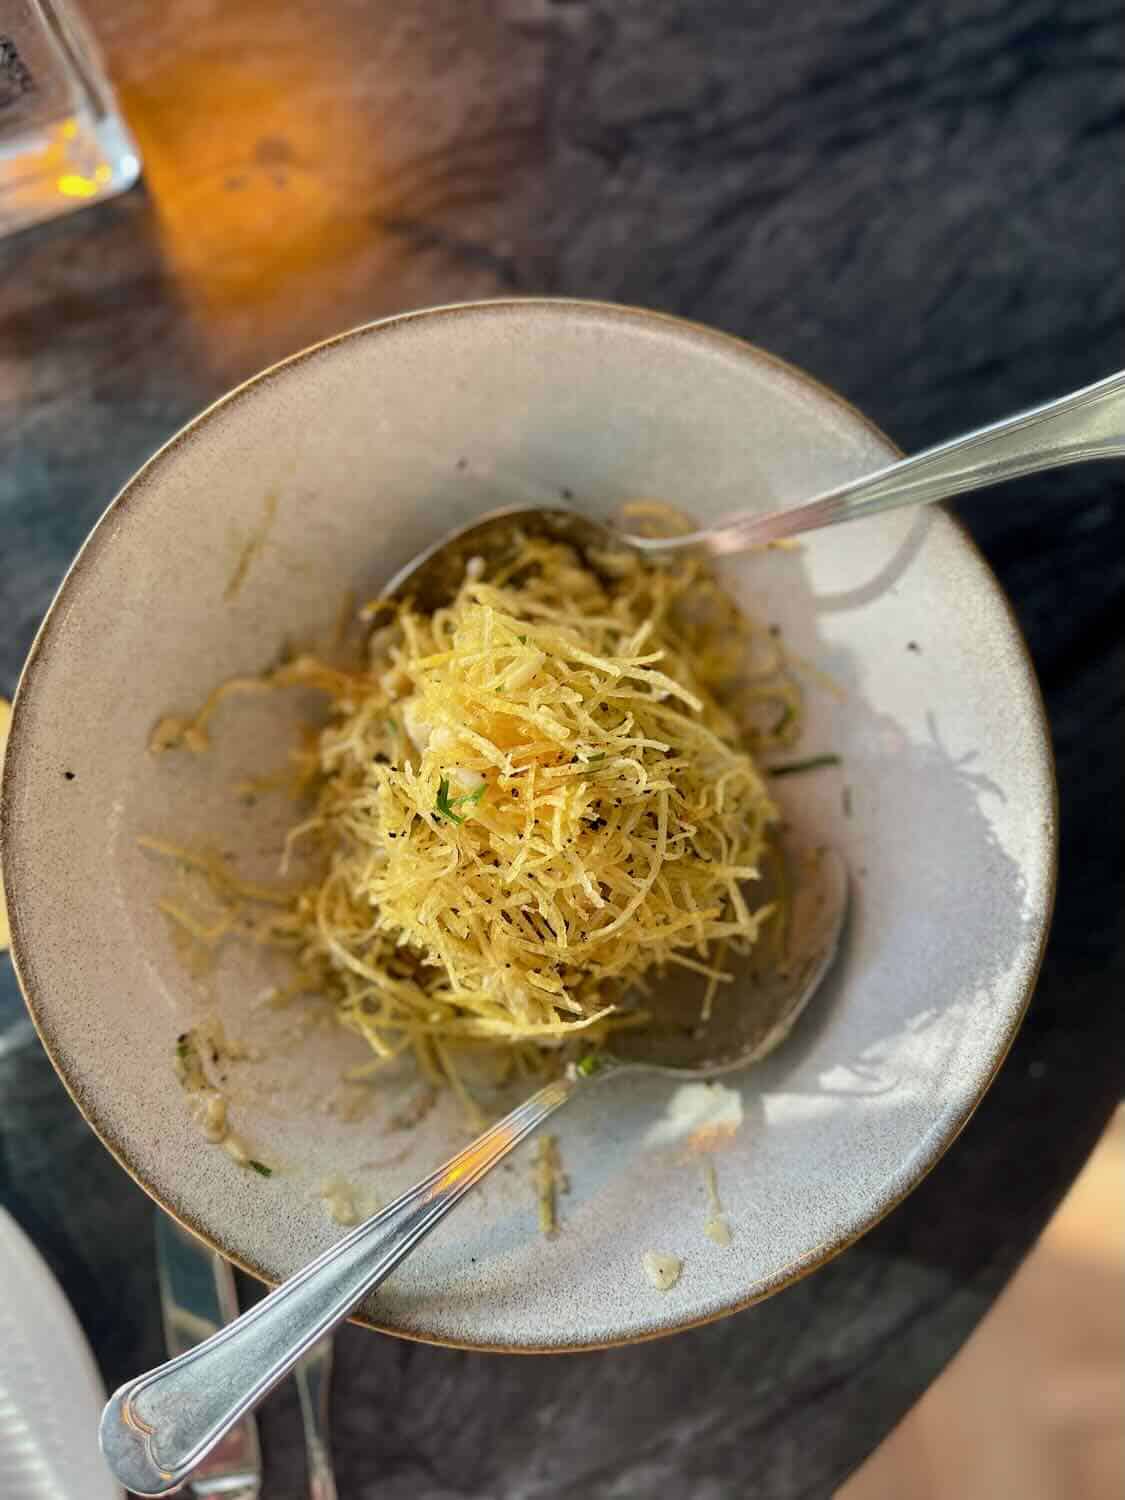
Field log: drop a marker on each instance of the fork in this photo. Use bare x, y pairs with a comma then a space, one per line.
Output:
313, 1374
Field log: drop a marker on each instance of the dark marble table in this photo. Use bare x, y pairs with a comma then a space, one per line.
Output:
921, 204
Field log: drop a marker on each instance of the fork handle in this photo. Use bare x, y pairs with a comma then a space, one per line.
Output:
1087, 424
156, 1428
313, 1374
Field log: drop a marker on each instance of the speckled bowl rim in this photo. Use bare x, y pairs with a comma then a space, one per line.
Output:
133, 492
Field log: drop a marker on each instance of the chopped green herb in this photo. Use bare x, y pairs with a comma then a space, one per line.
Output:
814, 763
587, 1066
392, 725
522, 639
260, 1167
593, 759
443, 806
446, 805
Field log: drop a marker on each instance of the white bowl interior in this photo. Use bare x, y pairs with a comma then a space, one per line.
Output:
364, 450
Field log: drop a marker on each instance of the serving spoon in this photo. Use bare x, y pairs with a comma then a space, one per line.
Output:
156, 1428
1087, 424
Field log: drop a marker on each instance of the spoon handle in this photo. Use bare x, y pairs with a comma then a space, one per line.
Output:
1087, 424
157, 1427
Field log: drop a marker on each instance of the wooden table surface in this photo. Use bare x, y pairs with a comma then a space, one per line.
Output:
920, 204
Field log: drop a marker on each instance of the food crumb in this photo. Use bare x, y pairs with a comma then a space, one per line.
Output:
338, 1197
212, 1117
662, 1270
208, 1105
716, 1227
236, 1150
549, 1183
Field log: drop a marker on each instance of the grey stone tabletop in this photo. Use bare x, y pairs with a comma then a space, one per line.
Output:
919, 203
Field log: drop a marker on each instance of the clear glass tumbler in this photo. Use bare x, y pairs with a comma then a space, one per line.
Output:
62, 141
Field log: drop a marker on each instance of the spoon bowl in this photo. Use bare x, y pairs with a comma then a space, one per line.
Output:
432, 578
774, 982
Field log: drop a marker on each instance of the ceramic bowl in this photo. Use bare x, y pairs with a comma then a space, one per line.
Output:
320, 478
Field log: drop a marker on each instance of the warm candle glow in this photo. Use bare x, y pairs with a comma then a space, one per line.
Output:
254, 195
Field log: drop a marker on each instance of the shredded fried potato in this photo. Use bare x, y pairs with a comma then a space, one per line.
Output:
525, 803
532, 799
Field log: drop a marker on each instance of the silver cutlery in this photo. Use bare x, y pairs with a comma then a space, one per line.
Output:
156, 1428
313, 1374
1085, 425
197, 1298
